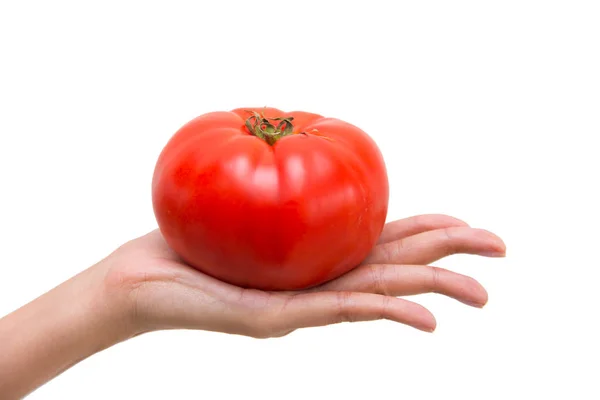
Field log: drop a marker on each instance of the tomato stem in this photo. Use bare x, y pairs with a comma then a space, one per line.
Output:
265, 128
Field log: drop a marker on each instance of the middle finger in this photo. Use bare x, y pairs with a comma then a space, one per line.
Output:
406, 280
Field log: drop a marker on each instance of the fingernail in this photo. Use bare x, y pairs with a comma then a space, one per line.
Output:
496, 253
474, 304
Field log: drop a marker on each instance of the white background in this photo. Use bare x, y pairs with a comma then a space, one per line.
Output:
487, 111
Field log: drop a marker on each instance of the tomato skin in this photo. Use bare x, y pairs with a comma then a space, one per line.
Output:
286, 216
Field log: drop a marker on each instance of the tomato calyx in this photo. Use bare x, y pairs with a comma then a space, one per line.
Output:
272, 129
265, 128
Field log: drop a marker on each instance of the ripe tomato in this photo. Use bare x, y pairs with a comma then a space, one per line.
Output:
265, 199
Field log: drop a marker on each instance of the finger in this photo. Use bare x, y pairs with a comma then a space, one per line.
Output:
326, 308
421, 223
406, 280
425, 248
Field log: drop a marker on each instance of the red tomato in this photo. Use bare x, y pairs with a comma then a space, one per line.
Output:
265, 199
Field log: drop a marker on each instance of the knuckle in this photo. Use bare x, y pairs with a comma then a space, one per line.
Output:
343, 305
449, 240
385, 307
434, 278
377, 279
391, 251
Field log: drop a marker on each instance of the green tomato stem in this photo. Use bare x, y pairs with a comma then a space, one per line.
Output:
265, 129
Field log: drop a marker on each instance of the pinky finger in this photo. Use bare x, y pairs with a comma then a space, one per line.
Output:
326, 308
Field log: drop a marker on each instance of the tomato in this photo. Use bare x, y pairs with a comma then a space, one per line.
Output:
272, 200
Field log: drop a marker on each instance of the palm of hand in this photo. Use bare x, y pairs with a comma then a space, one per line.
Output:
164, 293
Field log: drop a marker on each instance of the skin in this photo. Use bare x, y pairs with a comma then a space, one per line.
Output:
143, 286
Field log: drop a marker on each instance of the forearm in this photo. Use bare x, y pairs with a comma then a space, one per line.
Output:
57, 330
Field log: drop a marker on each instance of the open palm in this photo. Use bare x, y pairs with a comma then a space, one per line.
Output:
165, 293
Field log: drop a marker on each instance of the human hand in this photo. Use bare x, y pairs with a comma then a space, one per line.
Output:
159, 291
143, 286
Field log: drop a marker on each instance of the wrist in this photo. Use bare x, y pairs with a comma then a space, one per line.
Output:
57, 330
107, 309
